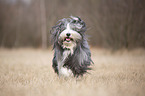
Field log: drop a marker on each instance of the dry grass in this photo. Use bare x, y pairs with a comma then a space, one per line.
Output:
28, 72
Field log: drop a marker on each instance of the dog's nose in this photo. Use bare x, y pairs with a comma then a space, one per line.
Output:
68, 34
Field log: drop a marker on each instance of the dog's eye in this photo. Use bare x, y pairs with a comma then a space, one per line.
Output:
74, 21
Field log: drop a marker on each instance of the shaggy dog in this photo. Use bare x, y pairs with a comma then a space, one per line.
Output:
72, 55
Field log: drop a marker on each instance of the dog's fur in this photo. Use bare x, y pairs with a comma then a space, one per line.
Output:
72, 55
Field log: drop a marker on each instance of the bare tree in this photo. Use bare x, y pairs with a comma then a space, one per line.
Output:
113, 23
43, 23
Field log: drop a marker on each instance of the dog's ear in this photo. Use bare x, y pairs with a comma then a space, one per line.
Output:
56, 30
80, 25
83, 29
59, 27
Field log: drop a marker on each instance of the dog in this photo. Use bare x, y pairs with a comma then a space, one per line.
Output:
72, 56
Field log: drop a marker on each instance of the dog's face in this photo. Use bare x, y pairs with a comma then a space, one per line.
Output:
69, 32
69, 37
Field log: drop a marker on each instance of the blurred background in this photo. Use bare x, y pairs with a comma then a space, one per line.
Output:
113, 24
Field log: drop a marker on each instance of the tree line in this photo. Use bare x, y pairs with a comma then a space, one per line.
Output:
111, 24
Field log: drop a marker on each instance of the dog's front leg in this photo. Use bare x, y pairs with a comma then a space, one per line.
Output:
63, 71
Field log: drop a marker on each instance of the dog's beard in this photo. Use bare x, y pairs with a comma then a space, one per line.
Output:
69, 45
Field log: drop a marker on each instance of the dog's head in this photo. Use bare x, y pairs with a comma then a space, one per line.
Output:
68, 32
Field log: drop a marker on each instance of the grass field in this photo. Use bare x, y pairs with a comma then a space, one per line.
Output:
28, 72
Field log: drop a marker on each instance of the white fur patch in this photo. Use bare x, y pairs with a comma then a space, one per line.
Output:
66, 54
65, 72
75, 18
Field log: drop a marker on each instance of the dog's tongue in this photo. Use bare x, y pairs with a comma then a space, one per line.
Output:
67, 39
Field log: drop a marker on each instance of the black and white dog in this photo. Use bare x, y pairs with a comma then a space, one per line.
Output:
72, 55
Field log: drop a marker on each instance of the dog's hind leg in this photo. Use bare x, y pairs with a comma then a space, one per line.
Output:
54, 65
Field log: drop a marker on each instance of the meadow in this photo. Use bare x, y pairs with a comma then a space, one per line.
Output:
28, 72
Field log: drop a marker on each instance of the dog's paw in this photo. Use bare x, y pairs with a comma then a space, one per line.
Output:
64, 72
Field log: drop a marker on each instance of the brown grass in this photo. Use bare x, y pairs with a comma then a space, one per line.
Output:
28, 72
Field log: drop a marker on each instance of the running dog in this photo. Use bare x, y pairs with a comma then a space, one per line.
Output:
72, 55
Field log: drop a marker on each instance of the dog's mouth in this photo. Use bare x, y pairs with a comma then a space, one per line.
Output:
68, 39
